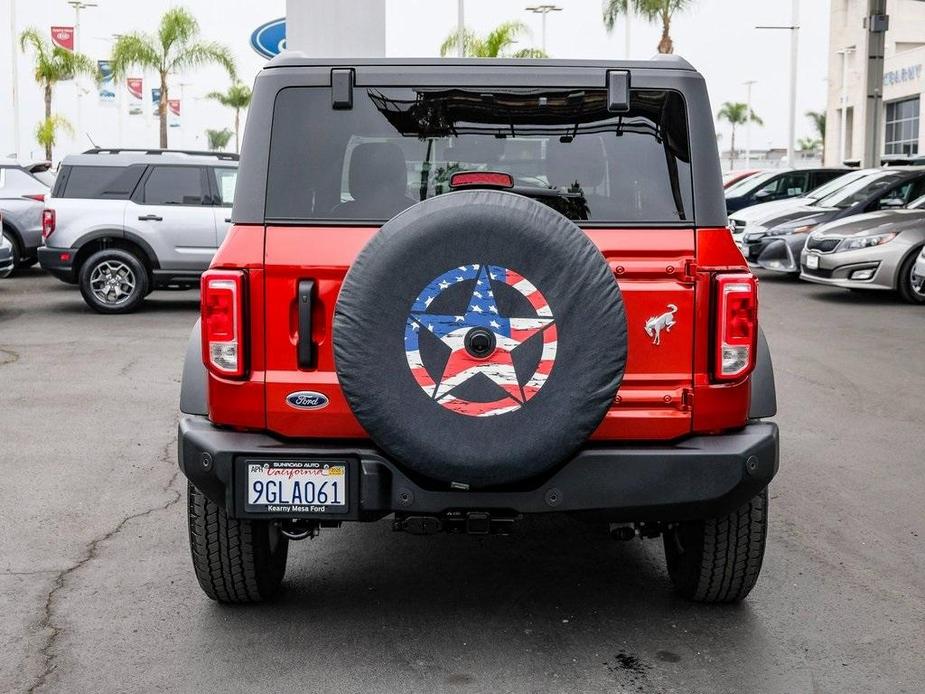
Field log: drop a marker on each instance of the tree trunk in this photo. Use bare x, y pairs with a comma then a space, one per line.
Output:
47, 117
237, 121
732, 149
666, 45
162, 110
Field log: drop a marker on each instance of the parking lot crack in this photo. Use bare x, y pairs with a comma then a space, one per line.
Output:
47, 623
8, 356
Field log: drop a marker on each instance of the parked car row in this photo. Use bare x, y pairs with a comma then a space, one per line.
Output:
862, 230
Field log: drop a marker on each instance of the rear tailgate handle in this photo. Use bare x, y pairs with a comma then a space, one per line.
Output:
150, 218
305, 349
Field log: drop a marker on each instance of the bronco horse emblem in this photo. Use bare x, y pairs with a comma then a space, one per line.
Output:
656, 324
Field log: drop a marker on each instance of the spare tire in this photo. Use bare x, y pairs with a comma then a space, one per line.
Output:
480, 338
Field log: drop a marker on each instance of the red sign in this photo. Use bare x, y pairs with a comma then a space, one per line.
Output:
135, 86
63, 37
174, 106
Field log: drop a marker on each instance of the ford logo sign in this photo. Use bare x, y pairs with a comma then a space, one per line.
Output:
307, 400
270, 38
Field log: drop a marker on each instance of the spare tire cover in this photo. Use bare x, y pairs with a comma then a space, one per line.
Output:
480, 338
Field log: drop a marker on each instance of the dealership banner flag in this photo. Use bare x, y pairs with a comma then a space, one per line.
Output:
135, 86
173, 113
156, 100
107, 82
63, 37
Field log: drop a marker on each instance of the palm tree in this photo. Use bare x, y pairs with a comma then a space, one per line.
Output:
495, 44
237, 97
46, 132
53, 64
172, 49
736, 113
218, 139
653, 10
818, 120
808, 144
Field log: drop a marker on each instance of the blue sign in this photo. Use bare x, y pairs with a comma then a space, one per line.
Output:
270, 38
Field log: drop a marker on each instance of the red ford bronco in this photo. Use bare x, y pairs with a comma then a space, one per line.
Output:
458, 292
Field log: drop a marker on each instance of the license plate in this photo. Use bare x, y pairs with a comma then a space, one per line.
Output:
812, 262
295, 486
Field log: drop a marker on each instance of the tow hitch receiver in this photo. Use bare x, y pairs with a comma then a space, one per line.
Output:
469, 522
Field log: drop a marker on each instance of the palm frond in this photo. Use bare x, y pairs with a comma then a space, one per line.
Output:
177, 28
612, 10
503, 37
531, 53
204, 53
31, 38
135, 50
450, 44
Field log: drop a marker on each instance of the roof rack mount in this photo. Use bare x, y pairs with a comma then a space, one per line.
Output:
230, 156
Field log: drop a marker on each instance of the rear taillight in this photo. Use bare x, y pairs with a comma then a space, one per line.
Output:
223, 322
736, 326
39, 197
48, 223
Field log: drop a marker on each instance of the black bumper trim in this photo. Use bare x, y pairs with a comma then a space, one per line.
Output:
699, 477
50, 260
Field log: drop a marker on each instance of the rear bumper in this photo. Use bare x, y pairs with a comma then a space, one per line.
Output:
699, 477
59, 262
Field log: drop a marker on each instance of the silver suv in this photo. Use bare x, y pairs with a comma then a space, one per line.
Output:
122, 223
22, 195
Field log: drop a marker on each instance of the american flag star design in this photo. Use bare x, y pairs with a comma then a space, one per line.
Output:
482, 312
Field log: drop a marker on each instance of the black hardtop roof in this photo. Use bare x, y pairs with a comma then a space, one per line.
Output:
298, 59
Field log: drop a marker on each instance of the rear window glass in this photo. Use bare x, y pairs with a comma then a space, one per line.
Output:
396, 147
16, 179
98, 182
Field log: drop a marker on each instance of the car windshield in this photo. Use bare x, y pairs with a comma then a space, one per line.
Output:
750, 183
835, 184
860, 189
398, 146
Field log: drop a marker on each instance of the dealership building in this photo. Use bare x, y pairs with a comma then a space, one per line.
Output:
901, 134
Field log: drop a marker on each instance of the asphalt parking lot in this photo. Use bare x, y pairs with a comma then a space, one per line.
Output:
97, 592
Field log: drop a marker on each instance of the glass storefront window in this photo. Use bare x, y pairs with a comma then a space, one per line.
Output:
902, 127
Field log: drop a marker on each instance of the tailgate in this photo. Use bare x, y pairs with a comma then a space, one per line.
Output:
652, 267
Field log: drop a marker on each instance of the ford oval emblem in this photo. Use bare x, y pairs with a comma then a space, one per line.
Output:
270, 38
307, 400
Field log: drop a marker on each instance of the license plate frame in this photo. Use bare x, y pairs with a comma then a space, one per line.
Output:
308, 467
812, 261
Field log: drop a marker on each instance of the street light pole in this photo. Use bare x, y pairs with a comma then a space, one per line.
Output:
794, 30
14, 81
794, 48
461, 28
843, 135
748, 124
78, 5
876, 23
543, 10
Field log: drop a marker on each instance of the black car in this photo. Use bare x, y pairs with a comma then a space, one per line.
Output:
776, 185
776, 244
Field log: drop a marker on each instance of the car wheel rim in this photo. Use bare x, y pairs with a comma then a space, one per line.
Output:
917, 282
112, 282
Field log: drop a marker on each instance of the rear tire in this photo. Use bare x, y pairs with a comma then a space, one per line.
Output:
907, 290
236, 561
718, 560
17, 252
128, 276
